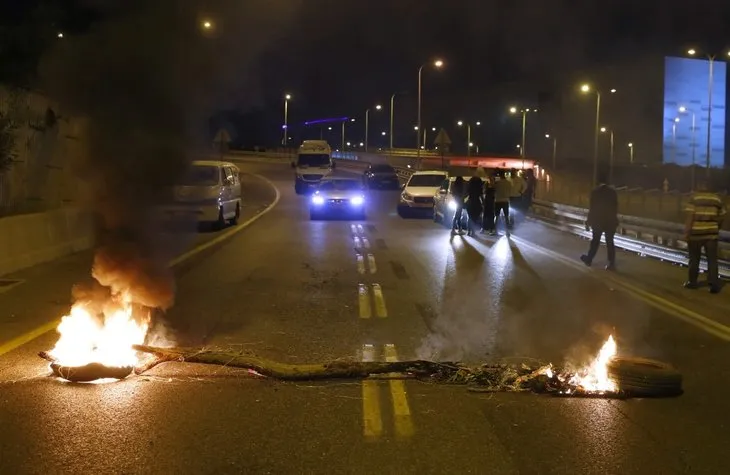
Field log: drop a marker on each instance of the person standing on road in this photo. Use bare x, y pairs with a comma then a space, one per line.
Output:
518, 189
458, 192
502, 192
488, 215
474, 203
705, 213
530, 185
603, 220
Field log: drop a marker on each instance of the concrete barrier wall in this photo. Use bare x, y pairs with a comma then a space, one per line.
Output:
30, 239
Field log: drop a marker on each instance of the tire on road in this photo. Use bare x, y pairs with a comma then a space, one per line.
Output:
234, 220
645, 377
403, 211
220, 223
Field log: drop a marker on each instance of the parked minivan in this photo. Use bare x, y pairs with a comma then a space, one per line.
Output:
210, 191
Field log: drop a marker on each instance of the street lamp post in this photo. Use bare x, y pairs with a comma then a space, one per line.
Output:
367, 124
693, 145
342, 143
631, 153
524, 113
392, 104
610, 155
555, 151
711, 58
469, 143
285, 140
425, 134
674, 140
438, 63
585, 88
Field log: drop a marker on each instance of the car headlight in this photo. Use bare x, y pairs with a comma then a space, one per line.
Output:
405, 196
452, 205
357, 200
317, 200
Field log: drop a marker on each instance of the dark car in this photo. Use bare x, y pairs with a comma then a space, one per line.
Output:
381, 176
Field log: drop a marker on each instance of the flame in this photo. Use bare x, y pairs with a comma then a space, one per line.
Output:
594, 377
106, 337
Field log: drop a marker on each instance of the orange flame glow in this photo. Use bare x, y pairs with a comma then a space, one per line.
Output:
106, 338
594, 377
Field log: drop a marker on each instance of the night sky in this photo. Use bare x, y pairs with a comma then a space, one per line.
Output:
339, 57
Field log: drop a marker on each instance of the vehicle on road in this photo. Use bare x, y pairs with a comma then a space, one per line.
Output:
313, 163
338, 197
381, 176
210, 192
418, 192
444, 205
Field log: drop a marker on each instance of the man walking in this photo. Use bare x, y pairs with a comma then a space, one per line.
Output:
502, 191
519, 185
705, 212
603, 220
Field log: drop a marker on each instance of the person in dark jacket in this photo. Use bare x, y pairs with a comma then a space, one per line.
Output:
603, 220
458, 194
474, 203
488, 203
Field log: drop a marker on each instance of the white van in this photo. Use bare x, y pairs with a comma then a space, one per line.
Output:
210, 191
314, 162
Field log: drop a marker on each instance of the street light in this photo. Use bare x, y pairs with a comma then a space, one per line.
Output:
207, 24
468, 135
631, 153
367, 124
285, 140
555, 150
343, 133
711, 58
585, 89
524, 112
674, 140
437, 64
610, 159
693, 128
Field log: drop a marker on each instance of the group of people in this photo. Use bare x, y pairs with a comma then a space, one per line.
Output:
705, 212
484, 200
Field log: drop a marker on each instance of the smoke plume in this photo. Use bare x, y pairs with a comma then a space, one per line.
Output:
144, 80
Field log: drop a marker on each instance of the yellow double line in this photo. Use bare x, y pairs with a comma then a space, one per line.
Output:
364, 300
366, 266
667, 306
373, 427
369, 296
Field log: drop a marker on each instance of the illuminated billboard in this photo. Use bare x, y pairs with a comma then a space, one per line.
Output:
686, 101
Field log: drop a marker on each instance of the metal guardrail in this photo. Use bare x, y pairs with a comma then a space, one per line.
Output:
658, 239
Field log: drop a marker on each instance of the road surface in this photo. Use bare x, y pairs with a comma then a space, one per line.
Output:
288, 288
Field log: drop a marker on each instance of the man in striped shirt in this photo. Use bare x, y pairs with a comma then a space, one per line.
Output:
705, 212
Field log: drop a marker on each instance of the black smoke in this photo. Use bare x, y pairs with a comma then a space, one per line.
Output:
142, 84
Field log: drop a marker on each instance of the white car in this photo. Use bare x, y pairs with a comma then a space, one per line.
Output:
209, 192
419, 190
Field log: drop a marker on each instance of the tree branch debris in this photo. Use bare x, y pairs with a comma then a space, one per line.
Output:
481, 378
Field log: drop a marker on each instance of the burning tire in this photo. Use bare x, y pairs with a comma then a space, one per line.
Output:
644, 377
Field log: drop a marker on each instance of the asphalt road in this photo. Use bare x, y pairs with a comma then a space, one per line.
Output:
287, 288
